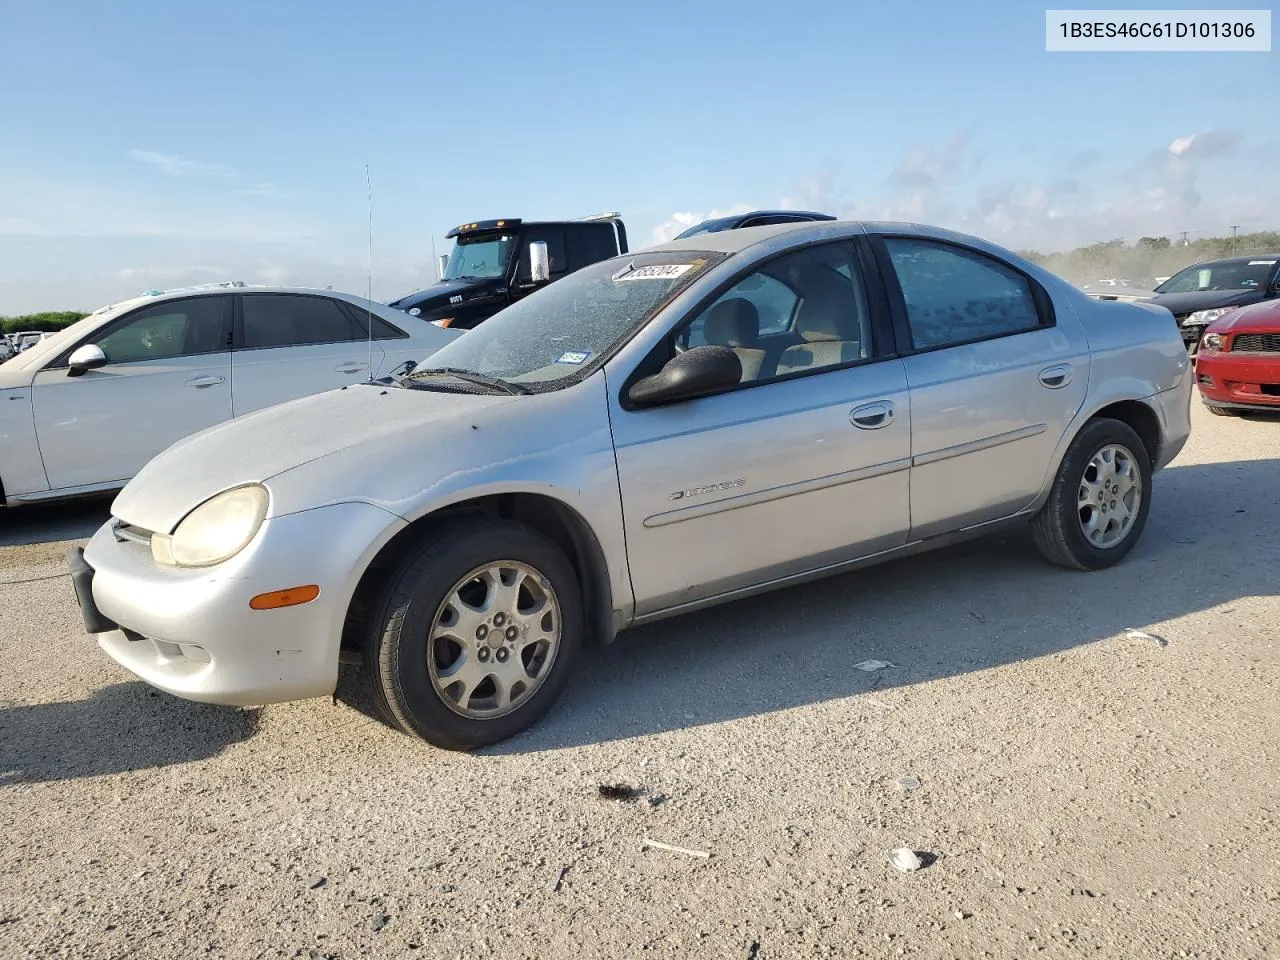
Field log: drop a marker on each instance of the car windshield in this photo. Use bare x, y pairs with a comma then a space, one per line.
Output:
554, 334
1229, 275
480, 255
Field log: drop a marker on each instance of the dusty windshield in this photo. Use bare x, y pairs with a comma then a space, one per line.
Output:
1232, 275
480, 256
556, 333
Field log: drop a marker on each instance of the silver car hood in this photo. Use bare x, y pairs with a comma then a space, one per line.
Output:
261, 445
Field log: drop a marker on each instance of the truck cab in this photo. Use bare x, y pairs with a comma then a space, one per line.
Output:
494, 263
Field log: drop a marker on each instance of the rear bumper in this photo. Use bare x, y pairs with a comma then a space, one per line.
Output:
192, 633
1246, 381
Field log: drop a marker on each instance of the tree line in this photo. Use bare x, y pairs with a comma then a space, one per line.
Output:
1147, 258
49, 320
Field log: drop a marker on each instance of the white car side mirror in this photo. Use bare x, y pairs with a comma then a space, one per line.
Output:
83, 359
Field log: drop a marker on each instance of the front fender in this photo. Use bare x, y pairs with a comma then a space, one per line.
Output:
557, 445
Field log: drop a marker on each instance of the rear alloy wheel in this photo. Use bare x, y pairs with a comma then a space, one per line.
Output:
477, 636
1099, 500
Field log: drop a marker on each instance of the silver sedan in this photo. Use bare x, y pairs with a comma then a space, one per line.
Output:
679, 427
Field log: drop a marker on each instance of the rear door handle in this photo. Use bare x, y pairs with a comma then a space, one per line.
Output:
350, 366
205, 381
872, 416
1057, 376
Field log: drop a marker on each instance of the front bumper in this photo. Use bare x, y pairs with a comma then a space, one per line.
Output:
191, 632
1239, 380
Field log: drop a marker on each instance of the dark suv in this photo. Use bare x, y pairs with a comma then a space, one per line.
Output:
491, 265
1202, 292
756, 218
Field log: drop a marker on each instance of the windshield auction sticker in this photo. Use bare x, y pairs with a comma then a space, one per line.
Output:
656, 271
1237, 31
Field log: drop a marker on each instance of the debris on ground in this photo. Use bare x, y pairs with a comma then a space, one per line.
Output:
657, 799
315, 883
977, 616
1133, 634
907, 784
869, 665
646, 843
378, 922
753, 950
619, 791
962, 914
905, 859
1082, 892
560, 878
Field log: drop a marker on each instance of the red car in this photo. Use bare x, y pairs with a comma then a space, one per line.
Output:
1238, 366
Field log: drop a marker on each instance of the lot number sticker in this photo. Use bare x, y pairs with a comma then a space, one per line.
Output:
574, 356
656, 271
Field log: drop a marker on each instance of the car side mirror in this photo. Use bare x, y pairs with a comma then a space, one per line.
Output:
690, 374
539, 262
83, 359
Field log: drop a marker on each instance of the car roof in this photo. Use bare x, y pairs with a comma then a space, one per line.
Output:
735, 241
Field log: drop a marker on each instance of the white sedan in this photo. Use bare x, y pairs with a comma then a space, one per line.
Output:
82, 411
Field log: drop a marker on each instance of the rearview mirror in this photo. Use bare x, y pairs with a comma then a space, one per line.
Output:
687, 375
539, 262
82, 359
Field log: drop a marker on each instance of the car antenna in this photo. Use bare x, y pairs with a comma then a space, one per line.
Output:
368, 180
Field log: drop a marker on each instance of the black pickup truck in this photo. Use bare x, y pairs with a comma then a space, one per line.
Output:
491, 265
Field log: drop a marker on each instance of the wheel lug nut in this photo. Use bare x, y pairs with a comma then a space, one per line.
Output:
499, 619
483, 654
512, 632
501, 654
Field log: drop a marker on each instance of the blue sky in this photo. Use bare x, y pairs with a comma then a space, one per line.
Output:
151, 144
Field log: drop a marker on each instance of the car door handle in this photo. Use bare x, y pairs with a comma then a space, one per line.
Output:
1056, 377
872, 416
350, 366
205, 381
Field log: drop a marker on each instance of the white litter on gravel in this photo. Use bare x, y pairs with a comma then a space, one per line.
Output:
868, 665
908, 861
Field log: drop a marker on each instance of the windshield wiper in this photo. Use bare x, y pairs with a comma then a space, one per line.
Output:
515, 389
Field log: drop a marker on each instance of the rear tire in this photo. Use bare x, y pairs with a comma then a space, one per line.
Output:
478, 633
1092, 518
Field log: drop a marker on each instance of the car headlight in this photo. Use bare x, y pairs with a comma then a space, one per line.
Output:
1204, 317
216, 530
1212, 341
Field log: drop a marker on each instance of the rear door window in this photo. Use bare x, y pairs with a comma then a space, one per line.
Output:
290, 320
954, 295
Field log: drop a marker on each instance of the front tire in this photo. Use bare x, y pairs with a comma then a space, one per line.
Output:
1099, 500
479, 631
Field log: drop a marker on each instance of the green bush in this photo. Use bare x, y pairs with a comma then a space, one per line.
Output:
51, 320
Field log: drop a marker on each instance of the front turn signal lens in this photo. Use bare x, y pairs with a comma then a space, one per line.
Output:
445, 322
285, 598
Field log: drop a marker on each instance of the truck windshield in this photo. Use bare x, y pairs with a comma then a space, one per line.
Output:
549, 338
480, 256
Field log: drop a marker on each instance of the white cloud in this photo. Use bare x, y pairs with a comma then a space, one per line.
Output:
177, 276
1206, 144
269, 191
682, 220
274, 274
173, 165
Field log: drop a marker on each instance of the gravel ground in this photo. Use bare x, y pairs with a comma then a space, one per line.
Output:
1080, 791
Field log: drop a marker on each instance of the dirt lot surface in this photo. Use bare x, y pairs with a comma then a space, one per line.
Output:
1080, 792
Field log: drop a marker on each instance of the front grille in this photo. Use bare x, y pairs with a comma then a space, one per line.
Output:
1256, 343
125, 531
